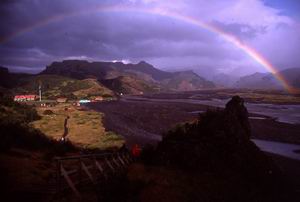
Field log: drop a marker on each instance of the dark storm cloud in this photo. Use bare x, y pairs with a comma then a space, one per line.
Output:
133, 36
114, 36
24, 57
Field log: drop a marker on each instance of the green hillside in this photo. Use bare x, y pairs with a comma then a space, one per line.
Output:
130, 85
187, 81
54, 86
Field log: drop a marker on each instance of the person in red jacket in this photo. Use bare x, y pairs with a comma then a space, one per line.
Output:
136, 150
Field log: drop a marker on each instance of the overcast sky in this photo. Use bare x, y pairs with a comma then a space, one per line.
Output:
34, 33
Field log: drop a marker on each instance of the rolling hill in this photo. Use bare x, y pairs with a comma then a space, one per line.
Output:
11, 80
186, 81
130, 85
258, 81
269, 81
54, 86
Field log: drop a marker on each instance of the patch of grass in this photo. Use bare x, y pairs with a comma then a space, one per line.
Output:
85, 127
109, 140
76, 115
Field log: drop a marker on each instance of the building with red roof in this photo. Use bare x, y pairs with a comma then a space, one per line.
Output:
23, 98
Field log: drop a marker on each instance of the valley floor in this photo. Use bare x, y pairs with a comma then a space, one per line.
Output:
145, 121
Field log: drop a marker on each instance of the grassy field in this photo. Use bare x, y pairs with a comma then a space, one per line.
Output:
85, 127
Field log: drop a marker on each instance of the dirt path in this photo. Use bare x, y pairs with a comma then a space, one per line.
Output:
66, 129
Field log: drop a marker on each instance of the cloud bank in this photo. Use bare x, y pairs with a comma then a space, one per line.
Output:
165, 42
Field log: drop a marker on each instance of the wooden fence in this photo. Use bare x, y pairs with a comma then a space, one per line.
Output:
74, 172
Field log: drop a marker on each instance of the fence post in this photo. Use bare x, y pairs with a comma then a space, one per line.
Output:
58, 177
79, 171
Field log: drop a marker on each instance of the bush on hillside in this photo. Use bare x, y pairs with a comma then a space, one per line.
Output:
48, 112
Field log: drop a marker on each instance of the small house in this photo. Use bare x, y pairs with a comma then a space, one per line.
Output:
98, 99
24, 98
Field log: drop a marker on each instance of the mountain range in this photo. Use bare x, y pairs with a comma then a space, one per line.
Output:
83, 79
129, 78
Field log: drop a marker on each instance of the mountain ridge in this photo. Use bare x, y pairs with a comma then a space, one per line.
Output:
153, 78
270, 81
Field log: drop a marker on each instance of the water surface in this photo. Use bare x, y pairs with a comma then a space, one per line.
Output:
282, 113
283, 149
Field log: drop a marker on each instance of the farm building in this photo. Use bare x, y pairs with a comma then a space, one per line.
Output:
98, 98
23, 98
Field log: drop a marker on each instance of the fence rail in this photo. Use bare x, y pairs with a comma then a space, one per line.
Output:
72, 172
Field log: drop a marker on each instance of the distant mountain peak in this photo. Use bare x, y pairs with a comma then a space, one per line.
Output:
143, 62
75, 61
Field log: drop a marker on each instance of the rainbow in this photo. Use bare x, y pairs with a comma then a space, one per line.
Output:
187, 19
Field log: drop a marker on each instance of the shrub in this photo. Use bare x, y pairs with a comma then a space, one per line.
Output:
48, 112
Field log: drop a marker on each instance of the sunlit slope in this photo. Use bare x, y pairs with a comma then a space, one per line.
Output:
54, 86
130, 85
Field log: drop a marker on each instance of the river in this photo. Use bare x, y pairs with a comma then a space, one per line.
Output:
282, 113
283, 149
